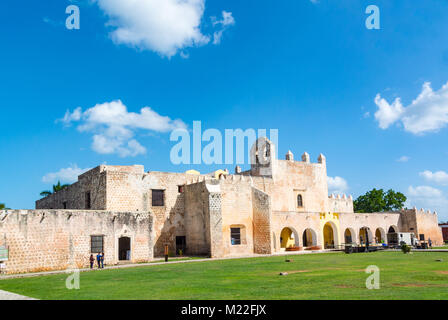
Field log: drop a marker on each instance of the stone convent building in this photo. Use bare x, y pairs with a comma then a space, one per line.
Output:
131, 215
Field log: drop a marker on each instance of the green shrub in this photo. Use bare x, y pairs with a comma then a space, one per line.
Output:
405, 248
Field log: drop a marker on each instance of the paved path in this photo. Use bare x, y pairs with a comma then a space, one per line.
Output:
173, 261
5, 295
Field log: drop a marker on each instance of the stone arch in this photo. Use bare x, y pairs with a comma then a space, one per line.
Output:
289, 238
330, 235
365, 234
380, 235
309, 238
350, 235
392, 229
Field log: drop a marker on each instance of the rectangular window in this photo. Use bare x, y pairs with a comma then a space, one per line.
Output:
88, 201
235, 236
64, 204
180, 189
158, 198
96, 244
422, 237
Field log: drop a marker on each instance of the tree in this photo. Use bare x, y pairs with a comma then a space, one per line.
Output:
2, 206
56, 188
379, 201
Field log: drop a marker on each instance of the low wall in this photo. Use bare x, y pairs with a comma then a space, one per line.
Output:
44, 240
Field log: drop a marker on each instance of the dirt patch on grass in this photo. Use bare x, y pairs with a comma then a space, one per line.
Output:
297, 271
442, 272
410, 285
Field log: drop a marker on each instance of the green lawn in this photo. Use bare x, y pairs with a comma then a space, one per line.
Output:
314, 276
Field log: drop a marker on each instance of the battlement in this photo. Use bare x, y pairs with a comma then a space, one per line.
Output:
420, 211
341, 197
321, 159
340, 203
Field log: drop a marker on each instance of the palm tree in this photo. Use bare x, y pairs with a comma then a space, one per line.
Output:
56, 188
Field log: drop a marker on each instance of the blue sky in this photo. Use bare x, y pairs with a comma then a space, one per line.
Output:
312, 70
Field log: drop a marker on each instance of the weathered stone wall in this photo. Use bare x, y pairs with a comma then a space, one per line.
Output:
197, 219
292, 178
93, 181
214, 223
340, 204
237, 212
169, 219
423, 222
42, 240
263, 241
124, 188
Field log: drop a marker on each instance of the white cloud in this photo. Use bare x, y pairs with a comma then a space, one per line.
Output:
226, 21
65, 175
427, 113
337, 185
439, 177
163, 26
114, 127
403, 159
424, 192
428, 198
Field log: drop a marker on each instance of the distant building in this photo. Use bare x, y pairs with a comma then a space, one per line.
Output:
444, 227
132, 215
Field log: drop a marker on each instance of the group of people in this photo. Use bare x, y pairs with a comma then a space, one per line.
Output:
99, 259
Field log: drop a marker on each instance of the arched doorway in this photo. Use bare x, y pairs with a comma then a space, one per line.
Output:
329, 236
288, 238
392, 229
349, 235
124, 248
309, 238
365, 236
380, 236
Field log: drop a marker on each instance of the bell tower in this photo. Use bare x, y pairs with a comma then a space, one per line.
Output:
263, 158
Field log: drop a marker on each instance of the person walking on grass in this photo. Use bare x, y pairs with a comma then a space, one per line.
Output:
102, 260
92, 260
98, 259
430, 243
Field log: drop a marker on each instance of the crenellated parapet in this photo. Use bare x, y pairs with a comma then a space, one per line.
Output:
340, 203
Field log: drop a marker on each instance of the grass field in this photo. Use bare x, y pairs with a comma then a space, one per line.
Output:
314, 276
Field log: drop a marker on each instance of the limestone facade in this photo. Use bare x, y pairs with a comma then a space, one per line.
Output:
274, 205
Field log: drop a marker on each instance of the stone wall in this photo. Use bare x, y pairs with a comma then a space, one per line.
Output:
74, 196
340, 204
422, 223
43, 240
261, 203
196, 219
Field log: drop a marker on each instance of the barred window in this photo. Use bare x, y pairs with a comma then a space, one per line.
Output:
235, 236
96, 244
158, 198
